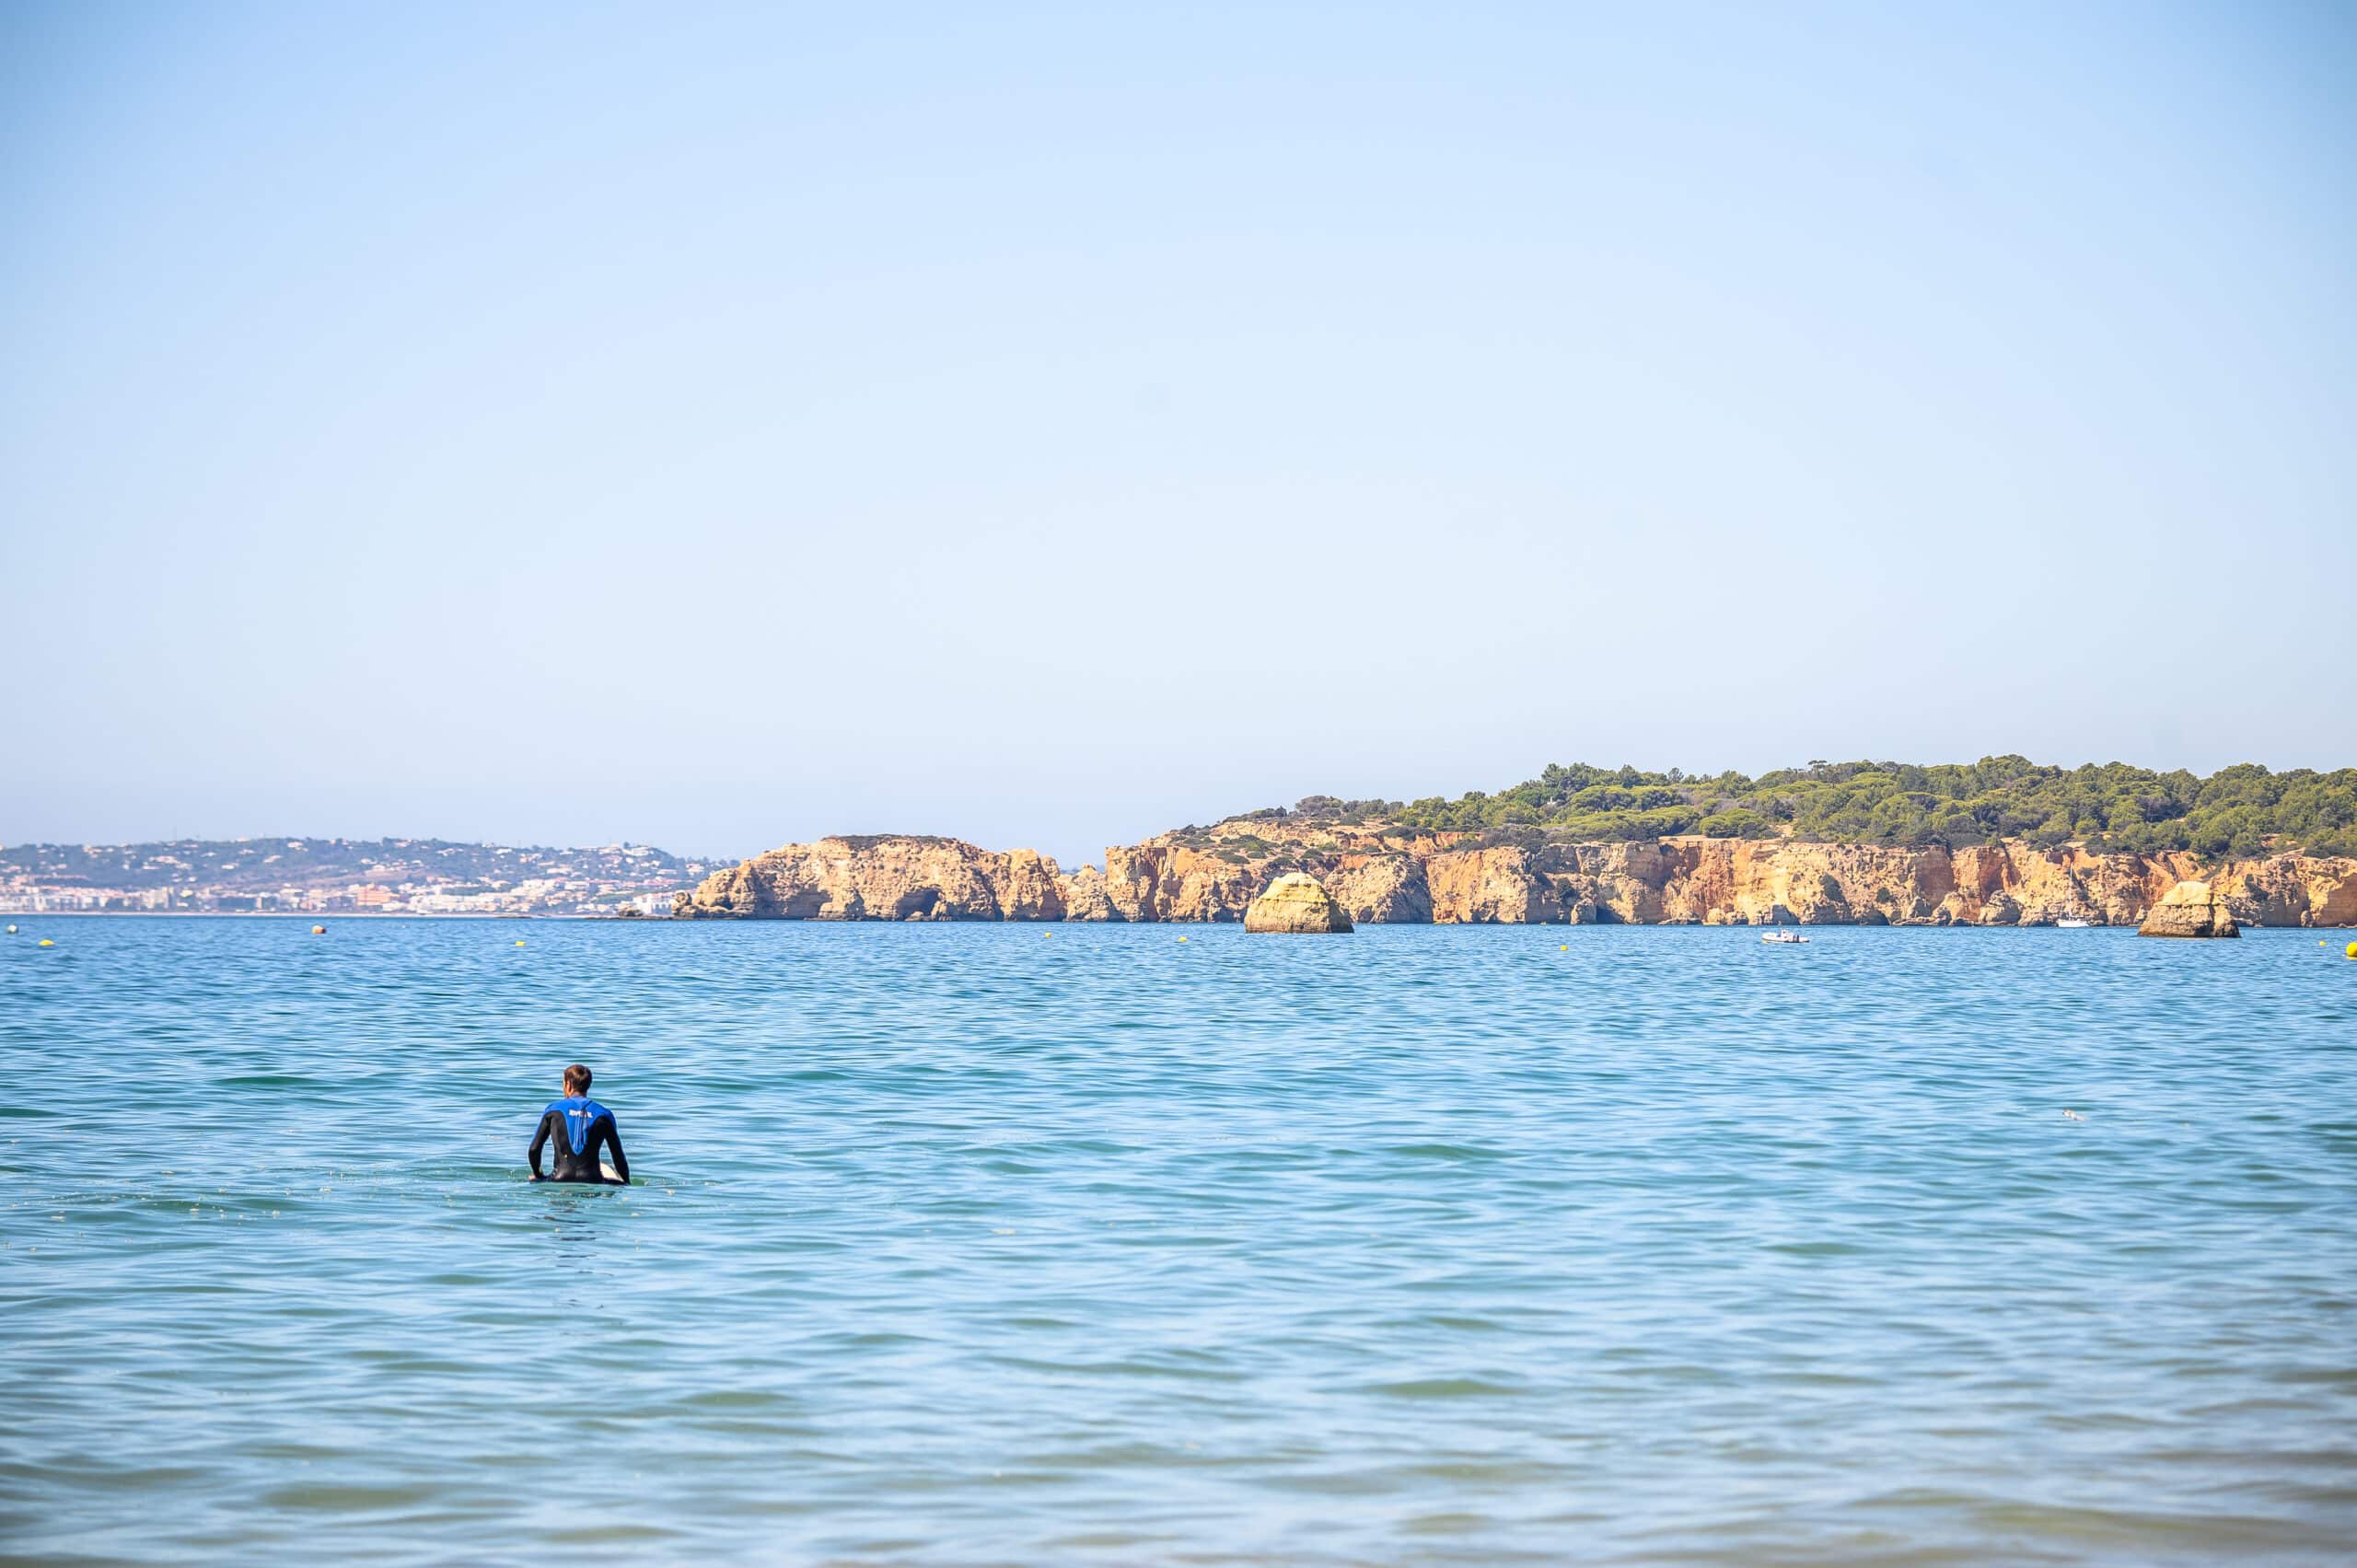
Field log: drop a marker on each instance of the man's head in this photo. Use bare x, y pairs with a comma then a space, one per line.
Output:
576, 1079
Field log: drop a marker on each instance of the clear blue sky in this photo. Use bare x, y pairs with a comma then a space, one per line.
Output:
1051, 424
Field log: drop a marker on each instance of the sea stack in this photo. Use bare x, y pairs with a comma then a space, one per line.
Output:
1296, 903
2189, 908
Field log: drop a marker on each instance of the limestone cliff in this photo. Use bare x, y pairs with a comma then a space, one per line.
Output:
1382, 890
1387, 878
1491, 886
888, 876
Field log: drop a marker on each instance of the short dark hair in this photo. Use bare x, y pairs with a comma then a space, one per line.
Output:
577, 1078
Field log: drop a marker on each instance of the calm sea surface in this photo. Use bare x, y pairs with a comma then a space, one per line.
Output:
1039, 1245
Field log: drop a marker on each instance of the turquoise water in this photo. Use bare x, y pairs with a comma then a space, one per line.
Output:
1013, 1244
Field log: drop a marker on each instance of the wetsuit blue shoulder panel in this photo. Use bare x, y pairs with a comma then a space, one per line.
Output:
580, 1113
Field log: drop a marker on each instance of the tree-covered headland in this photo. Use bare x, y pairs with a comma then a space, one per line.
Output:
2237, 811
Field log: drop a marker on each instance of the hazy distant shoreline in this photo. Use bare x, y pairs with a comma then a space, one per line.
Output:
2003, 841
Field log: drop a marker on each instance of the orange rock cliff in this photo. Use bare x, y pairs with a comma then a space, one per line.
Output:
1379, 878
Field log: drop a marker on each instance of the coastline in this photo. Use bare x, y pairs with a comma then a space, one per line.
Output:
1211, 876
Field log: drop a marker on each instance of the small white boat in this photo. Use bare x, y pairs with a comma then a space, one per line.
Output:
1784, 936
2072, 924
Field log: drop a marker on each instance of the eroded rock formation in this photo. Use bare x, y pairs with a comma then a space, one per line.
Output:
1296, 903
2189, 908
889, 877
1383, 889
1213, 874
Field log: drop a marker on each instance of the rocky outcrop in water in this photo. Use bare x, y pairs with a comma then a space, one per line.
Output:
1296, 903
1387, 878
889, 877
2189, 908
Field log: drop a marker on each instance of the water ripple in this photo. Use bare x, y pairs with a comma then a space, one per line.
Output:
952, 1244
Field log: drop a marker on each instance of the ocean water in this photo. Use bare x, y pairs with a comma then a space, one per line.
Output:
1086, 1244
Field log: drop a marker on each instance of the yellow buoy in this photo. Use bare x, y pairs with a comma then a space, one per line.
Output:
519, 940
1565, 948
47, 943
2352, 949
1182, 939
319, 931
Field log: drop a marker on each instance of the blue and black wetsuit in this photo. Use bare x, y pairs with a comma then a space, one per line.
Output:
578, 1126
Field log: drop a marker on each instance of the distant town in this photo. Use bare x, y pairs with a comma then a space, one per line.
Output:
340, 877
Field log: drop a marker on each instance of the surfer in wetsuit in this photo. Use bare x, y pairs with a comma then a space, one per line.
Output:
578, 1126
